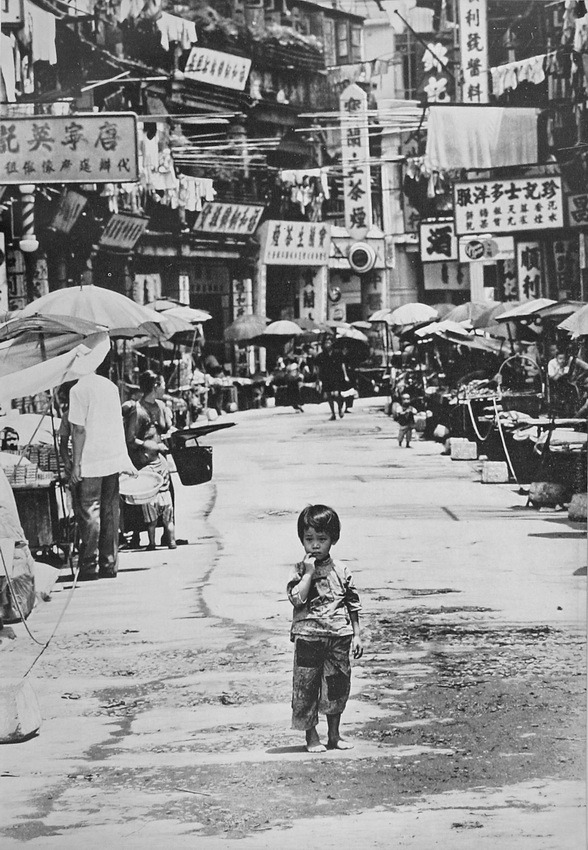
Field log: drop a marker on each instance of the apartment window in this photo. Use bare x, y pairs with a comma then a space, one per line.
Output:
356, 52
329, 41
343, 42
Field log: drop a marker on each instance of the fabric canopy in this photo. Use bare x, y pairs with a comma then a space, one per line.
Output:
35, 377
480, 137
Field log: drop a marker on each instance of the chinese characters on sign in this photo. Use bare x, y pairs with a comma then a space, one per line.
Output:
70, 206
450, 275
242, 297
438, 241
96, 148
217, 69
473, 45
529, 270
355, 155
228, 218
123, 231
566, 261
578, 210
297, 243
534, 203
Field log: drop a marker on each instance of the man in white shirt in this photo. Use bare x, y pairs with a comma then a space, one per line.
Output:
99, 454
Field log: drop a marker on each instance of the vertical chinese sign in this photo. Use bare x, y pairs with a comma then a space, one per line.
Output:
530, 270
242, 297
355, 155
473, 44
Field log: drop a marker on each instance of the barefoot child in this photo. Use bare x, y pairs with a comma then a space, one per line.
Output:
325, 628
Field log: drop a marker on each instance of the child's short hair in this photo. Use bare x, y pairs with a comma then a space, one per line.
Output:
321, 518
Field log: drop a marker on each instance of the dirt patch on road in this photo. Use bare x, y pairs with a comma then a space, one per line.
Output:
461, 703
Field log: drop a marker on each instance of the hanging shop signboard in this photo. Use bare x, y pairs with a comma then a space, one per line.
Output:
70, 206
450, 276
529, 270
485, 248
473, 45
242, 297
295, 243
79, 148
217, 69
237, 219
123, 231
578, 210
355, 155
438, 241
506, 205
566, 262
17, 283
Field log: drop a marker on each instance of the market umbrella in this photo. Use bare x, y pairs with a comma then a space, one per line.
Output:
438, 327
26, 369
489, 316
245, 328
525, 310
94, 304
191, 315
413, 313
558, 311
576, 324
311, 325
283, 327
380, 316
365, 326
469, 311
443, 309
37, 327
352, 333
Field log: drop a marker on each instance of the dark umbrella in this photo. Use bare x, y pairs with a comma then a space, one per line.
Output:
245, 328
469, 311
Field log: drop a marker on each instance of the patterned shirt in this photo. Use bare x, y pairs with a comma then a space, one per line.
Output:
331, 600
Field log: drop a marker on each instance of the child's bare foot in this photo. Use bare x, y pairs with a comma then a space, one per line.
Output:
313, 742
339, 744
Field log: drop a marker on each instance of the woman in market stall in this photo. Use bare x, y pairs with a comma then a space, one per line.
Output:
147, 424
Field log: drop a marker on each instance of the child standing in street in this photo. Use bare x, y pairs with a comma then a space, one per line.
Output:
404, 415
325, 630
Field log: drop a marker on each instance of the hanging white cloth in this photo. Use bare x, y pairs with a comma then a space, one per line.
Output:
480, 137
7, 67
174, 28
39, 27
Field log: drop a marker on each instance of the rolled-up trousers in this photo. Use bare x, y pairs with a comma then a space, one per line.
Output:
98, 512
321, 680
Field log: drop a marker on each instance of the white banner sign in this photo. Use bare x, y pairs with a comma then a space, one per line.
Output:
529, 270
485, 248
295, 243
96, 148
534, 203
473, 44
438, 241
228, 218
217, 69
355, 154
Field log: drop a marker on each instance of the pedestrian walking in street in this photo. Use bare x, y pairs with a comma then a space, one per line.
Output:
332, 376
405, 416
293, 384
99, 455
325, 630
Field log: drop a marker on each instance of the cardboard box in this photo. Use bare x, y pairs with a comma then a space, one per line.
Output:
465, 450
494, 472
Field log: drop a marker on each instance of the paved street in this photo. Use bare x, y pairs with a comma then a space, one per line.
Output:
165, 694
